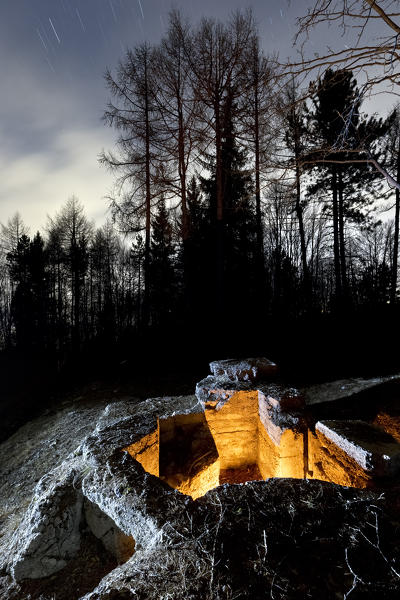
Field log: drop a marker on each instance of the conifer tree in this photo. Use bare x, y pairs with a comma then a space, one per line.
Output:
161, 265
339, 131
27, 267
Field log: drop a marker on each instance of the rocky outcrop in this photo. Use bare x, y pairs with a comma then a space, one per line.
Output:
282, 538
353, 452
343, 388
255, 423
49, 534
249, 369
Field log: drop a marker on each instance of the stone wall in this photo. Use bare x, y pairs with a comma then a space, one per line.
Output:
234, 428
352, 453
262, 428
147, 452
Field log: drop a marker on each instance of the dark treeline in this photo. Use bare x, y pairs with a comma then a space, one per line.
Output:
244, 217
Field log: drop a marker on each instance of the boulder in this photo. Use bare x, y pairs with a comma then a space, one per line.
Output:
247, 369
284, 538
343, 388
49, 536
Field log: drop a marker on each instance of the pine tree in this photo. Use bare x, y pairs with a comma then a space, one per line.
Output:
71, 234
27, 267
161, 266
339, 132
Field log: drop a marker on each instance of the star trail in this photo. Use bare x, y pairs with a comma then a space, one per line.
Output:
54, 55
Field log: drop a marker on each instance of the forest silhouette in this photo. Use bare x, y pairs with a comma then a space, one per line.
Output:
243, 222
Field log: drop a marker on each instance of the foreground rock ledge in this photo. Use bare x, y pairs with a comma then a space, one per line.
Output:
280, 538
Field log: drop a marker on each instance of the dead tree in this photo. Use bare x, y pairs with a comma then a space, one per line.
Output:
374, 52
219, 72
295, 134
134, 114
179, 130
375, 47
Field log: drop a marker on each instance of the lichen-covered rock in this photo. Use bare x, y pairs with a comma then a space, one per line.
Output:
281, 398
120, 545
215, 391
343, 388
281, 538
136, 503
35, 450
360, 445
246, 369
49, 534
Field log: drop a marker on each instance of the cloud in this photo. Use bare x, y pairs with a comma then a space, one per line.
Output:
37, 184
50, 138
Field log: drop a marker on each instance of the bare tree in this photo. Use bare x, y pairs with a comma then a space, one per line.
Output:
294, 123
372, 53
258, 131
12, 232
219, 68
394, 159
134, 115
179, 128
374, 28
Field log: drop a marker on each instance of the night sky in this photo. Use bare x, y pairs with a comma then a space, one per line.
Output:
53, 54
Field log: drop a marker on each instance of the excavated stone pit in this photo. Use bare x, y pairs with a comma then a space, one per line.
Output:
246, 434
131, 485
196, 453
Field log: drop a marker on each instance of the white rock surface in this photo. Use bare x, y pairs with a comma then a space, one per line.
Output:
369, 446
262, 538
342, 388
33, 451
247, 369
49, 533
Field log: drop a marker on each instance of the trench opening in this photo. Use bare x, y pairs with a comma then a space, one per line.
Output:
241, 442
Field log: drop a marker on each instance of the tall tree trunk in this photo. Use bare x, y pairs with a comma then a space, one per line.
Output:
393, 284
219, 228
299, 214
146, 301
77, 302
259, 232
336, 247
139, 293
342, 242
294, 129
188, 300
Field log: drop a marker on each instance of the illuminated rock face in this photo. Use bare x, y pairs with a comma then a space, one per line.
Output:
247, 432
147, 452
248, 369
120, 545
257, 430
281, 451
353, 453
265, 538
234, 428
189, 460
51, 532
